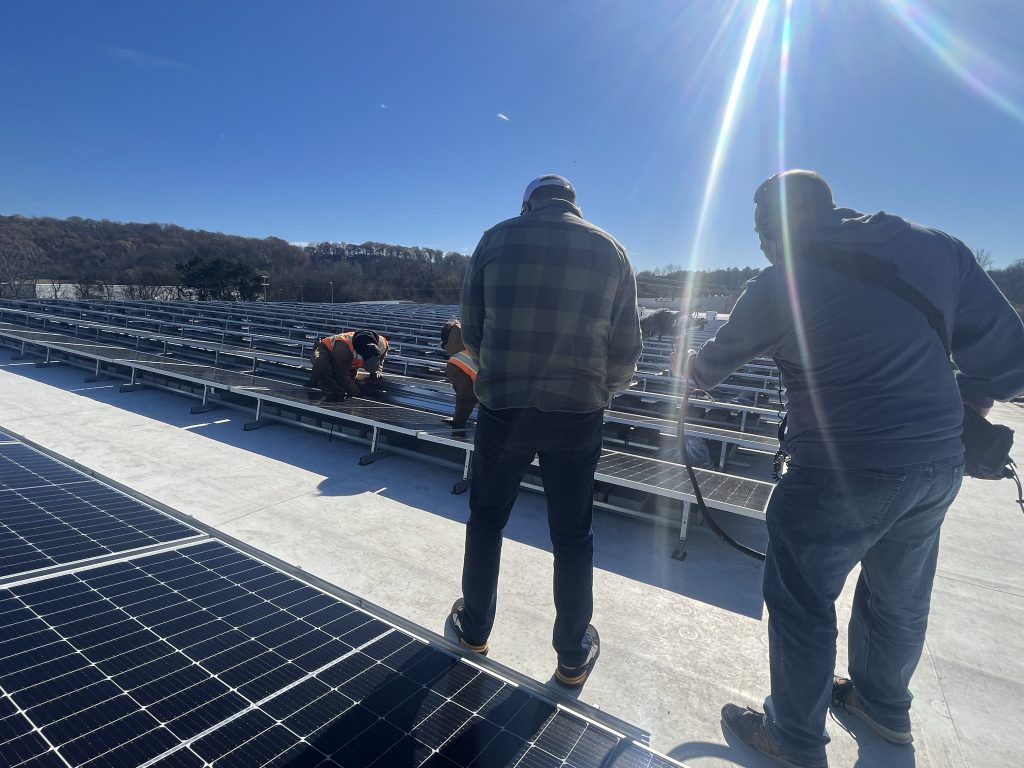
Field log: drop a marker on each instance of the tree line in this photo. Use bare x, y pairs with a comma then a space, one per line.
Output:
670, 281
86, 258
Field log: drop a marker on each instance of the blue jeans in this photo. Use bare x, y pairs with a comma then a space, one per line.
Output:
821, 523
568, 446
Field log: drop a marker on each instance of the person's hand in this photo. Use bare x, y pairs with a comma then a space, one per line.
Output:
680, 363
376, 376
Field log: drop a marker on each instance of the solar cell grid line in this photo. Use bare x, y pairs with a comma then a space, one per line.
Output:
71, 520
23, 467
20, 743
195, 670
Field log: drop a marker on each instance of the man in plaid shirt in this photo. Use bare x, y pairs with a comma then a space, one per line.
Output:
549, 314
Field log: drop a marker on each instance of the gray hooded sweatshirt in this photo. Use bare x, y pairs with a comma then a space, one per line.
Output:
868, 382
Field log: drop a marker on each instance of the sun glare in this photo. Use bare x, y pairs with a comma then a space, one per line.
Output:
981, 72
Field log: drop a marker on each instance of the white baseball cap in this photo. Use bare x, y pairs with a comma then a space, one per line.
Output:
549, 180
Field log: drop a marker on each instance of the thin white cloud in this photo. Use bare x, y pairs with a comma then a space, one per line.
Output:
140, 59
383, 106
504, 117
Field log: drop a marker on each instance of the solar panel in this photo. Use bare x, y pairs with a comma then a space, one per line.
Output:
23, 467
51, 514
205, 655
392, 415
107, 351
398, 418
714, 486
204, 374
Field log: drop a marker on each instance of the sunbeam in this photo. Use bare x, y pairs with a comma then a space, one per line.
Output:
724, 137
963, 60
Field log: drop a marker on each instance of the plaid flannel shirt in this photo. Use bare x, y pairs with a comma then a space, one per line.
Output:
549, 313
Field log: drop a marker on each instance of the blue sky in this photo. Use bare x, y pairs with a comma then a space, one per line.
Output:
421, 122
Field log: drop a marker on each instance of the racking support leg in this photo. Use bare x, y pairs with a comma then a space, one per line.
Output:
684, 534
97, 374
48, 361
251, 425
375, 452
206, 405
467, 471
132, 385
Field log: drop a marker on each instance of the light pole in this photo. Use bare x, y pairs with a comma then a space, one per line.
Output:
332, 291
265, 282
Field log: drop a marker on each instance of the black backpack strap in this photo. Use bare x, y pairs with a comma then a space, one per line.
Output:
878, 272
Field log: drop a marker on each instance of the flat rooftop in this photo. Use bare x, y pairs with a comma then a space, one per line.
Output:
680, 639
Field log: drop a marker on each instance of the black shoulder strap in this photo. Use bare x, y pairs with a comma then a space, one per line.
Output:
876, 271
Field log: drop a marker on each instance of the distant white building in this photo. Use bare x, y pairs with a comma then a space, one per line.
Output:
67, 290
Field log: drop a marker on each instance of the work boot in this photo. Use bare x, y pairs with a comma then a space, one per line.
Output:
748, 726
455, 622
845, 698
574, 677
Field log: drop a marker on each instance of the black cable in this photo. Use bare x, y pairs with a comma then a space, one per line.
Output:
712, 523
781, 457
1012, 470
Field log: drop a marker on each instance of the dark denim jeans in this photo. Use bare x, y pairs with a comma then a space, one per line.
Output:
568, 446
821, 523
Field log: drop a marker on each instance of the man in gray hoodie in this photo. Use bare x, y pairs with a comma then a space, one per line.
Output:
874, 434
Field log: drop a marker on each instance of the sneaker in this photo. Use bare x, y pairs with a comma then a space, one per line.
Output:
574, 677
845, 698
455, 622
747, 725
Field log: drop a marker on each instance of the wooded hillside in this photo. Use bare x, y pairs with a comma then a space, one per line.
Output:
151, 260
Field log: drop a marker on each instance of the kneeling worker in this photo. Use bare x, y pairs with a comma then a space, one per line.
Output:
460, 371
337, 359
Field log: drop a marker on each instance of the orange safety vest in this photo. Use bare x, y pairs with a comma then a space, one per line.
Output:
346, 337
464, 363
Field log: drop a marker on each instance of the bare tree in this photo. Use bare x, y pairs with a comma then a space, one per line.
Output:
55, 289
984, 257
16, 259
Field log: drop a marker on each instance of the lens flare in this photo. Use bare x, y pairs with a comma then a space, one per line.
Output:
722, 145
787, 240
963, 60
726, 129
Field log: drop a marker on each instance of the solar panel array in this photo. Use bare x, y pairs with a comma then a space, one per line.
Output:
202, 655
51, 514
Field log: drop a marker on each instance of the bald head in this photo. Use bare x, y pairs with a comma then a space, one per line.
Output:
803, 195
794, 201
